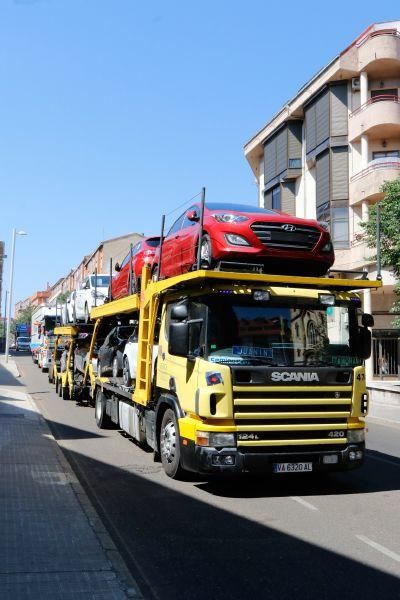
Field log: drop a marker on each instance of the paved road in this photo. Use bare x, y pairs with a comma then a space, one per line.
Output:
287, 537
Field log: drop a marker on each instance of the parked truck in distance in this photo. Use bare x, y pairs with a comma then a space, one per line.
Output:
252, 372
44, 319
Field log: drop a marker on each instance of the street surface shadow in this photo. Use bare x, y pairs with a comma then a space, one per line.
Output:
7, 378
61, 431
177, 545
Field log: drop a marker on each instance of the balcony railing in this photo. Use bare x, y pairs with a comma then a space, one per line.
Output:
377, 164
376, 33
373, 100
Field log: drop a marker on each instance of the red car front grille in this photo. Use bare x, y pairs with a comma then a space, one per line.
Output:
274, 235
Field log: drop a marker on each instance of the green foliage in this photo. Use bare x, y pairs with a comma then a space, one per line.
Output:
61, 298
389, 234
25, 316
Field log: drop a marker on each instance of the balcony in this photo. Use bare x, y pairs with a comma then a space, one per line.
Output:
366, 184
379, 51
379, 117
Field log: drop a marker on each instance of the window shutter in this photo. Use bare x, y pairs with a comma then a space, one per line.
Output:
339, 117
340, 173
322, 178
288, 202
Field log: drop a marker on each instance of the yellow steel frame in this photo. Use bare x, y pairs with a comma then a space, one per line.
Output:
148, 301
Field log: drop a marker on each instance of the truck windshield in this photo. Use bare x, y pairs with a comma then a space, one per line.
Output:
252, 333
102, 280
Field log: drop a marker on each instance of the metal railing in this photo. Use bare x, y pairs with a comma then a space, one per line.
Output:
376, 165
373, 100
377, 33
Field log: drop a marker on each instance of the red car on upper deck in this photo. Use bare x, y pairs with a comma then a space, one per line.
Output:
143, 252
277, 242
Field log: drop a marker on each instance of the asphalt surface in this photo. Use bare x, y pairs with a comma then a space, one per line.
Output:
281, 537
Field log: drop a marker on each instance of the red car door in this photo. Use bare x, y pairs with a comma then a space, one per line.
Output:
188, 238
119, 281
171, 251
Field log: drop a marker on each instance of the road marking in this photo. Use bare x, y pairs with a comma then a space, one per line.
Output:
304, 502
379, 548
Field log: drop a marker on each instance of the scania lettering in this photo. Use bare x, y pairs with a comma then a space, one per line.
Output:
285, 376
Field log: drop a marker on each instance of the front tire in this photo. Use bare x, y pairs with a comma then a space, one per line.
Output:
116, 371
169, 445
155, 273
206, 256
126, 373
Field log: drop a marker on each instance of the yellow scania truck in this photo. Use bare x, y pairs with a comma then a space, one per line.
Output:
240, 372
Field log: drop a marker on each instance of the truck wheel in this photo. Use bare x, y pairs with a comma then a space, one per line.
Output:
103, 421
169, 445
126, 374
65, 392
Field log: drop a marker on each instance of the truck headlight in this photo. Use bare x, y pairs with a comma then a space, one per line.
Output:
215, 439
355, 435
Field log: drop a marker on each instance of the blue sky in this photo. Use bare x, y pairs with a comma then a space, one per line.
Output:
115, 111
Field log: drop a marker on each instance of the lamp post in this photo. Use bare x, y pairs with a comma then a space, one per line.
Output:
14, 235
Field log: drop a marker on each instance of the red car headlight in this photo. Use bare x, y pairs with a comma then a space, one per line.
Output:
229, 218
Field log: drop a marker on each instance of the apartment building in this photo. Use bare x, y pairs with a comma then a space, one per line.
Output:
114, 249
328, 150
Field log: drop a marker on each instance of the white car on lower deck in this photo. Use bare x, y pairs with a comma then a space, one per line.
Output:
129, 360
93, 292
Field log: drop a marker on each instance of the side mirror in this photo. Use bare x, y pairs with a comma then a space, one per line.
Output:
193, 216
179, 312
178, 339
364, 342
117, 267
367, 320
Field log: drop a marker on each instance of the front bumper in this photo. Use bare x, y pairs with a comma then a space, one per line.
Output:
202, 459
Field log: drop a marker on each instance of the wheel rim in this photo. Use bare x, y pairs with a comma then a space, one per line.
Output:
205, 251
98, 409
168, 442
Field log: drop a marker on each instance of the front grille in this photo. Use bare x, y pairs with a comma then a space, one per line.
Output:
313, 416
272, 235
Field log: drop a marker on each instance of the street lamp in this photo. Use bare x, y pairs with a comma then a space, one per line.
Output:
14, 235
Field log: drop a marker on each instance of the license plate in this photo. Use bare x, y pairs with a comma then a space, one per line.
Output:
298, 467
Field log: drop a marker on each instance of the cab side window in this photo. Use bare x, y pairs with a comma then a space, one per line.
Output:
176, 226
186, 221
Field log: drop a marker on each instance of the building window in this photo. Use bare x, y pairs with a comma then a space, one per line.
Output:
340, 227
276, 198
294, 163
381, 95
382, 155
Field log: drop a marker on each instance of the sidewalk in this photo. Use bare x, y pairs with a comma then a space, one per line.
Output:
384, 402
52, 543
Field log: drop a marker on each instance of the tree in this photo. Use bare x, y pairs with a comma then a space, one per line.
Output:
389, 234
25, 315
